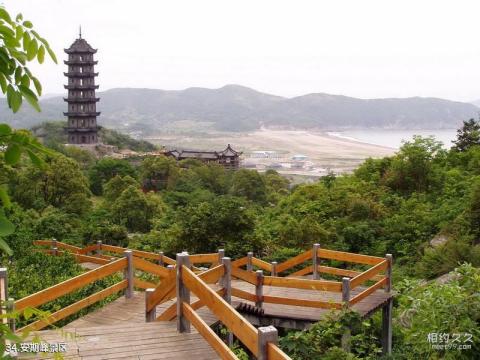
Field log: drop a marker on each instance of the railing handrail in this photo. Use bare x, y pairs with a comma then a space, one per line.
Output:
232, 319
53, 292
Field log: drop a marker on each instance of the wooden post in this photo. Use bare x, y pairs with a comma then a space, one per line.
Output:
54, 246
160, 261
266, 335
259, 289
152, 314
99, 247
221, 255
227, 285
227, 279
346, 291
315, 261
274, 268
55, 251
3, 292
388, 273
183, 294
387, 327
346, 337
11, 309
249, 261
128, 274
387, 311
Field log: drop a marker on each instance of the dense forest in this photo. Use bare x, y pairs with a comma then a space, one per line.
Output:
396, 204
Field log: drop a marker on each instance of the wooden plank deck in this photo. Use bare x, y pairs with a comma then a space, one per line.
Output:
129, 311
118, 331
286, 315
158, 340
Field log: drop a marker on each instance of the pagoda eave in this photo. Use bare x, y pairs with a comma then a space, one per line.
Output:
80, 87
81, 100
80, 51
82, 114
82, 130
80, 62
80, 74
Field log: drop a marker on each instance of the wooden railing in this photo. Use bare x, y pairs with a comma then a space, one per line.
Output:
380, 273
180, 276
261, 342
68, 286
102, 253
109, 266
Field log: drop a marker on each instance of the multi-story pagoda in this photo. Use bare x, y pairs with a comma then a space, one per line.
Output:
82, 113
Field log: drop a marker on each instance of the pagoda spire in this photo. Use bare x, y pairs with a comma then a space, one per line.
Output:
80, 31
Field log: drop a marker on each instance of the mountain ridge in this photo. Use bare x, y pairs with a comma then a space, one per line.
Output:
239, 108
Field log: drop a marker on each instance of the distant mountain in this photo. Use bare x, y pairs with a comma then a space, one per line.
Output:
237, 108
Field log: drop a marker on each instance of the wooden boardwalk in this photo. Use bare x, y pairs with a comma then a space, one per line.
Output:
301, 317
143, 325
158, 340
118, 331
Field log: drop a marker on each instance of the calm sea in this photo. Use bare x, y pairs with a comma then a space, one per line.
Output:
394, 138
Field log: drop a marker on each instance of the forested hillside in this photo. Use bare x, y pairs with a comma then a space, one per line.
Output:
396, 205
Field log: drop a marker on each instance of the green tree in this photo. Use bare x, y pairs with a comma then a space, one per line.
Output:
135, 210
225, 221
413, 168
19, 44
106, 169
158, 173
474, 211
249, 184
115, 186
467, 136
61, 184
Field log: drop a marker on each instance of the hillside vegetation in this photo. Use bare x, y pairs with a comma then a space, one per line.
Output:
53, 134
237, 108
396, 204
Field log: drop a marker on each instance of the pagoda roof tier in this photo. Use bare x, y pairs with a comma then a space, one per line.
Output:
81, 100
80, 87
80, 46
80, 62
74, 74
84, 130
82, 114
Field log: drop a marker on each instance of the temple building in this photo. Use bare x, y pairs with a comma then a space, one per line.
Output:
82, 112
228, 158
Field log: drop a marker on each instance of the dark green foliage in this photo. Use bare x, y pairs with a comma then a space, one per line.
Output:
225, 221
414, 168
474, 211
158, 173
106, 169
450, 308
115, 186
100, 226
53, 135
249, 184
323, 339
467, 136
136, 210
60, 184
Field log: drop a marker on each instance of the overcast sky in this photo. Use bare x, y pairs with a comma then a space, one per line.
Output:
364, 48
